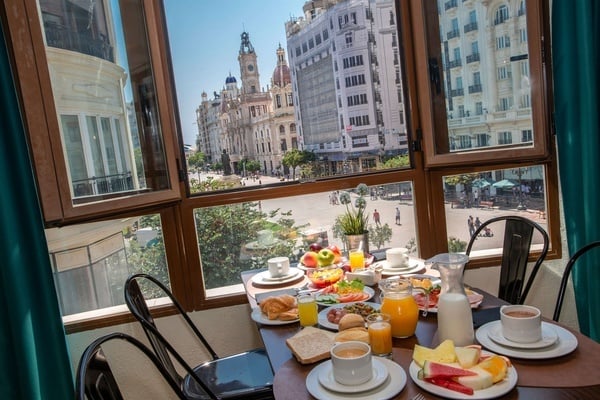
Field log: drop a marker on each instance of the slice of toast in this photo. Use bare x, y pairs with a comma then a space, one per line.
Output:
311, 345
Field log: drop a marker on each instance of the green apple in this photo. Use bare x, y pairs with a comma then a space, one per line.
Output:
325, 257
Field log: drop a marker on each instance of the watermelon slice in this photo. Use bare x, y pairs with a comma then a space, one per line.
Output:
450, 384
432, 369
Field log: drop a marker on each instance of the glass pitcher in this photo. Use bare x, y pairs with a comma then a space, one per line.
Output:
455, 320
398, 302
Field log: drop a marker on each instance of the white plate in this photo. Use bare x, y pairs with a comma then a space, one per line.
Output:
549, 337
264, 278
258, 316
566, 343
494, 391
390, 387
366, 290
329, 325
326, 379
413, 268
473, 304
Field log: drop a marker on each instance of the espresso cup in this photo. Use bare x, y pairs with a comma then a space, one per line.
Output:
397, 257
278, 266
351, 363
521, 324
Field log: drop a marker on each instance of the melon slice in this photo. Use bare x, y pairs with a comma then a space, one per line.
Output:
444, 353
432, 369
467, 356
481, 380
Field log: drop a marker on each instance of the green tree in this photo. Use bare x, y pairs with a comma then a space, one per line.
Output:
294, 157
456, 245
395, 162
196, 160
379, 235
250, 165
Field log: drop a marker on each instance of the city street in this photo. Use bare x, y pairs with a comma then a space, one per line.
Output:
317, 211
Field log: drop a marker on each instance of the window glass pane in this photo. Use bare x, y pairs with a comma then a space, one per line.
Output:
491, 60
100, 72
488, 194
239, 237
335, 65
91, 262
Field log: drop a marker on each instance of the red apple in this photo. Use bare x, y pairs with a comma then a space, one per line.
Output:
316, 247
338, 253
310, 259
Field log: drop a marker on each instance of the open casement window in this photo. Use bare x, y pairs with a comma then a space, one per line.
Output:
95, 103
487, 81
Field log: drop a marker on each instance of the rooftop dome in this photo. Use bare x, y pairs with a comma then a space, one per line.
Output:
281, 76
230, 79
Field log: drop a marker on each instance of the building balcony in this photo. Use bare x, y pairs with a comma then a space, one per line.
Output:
457, 92
453, 34
471, 27
450, 4
475, 89
471, 58
455, 63
63, 38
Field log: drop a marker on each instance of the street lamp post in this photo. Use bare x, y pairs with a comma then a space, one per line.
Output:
520, 171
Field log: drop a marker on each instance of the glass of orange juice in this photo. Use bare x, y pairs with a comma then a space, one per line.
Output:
380, 334
398, 301
307, 309
357, 259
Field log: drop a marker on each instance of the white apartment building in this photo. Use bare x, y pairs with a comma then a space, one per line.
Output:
345, 64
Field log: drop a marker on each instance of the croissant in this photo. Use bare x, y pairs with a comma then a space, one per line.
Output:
273, 306
289, 315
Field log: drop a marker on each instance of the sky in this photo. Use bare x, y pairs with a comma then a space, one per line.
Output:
205, 39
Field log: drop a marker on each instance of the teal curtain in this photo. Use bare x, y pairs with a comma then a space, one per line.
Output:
576, 48
34, 361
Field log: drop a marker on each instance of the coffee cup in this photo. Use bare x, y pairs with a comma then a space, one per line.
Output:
351, 363
278, 266
521, 323
397, 257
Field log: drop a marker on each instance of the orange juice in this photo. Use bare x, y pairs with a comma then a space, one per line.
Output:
307, 311
404, 314
380, 338
357, 259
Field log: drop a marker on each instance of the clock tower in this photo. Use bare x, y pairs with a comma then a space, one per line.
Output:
248, 67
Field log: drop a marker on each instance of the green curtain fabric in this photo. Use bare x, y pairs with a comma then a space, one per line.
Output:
34, 361
576, 48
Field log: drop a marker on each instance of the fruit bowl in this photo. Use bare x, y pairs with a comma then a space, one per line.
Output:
323, 277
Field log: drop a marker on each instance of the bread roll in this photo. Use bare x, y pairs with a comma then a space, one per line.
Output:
351, 320
360, 334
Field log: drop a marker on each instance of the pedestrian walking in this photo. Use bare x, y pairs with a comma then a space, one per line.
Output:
376, 217
398, 216
477, 223
471, 225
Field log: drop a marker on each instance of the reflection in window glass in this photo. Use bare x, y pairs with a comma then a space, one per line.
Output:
91, 262
494, 70
484, 195
105, 97
345, 99
238, 237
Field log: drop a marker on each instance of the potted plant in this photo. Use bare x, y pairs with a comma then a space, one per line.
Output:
354, 222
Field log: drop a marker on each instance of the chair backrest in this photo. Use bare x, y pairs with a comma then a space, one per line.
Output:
565, 278
95, 380
136, 303
518, 233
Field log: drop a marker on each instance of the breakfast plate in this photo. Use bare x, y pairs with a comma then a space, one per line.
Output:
258, 316
326, 379
549, 337
566, 343
496, 390
368, 294
325, 323
264, 277
475, 299
391, 386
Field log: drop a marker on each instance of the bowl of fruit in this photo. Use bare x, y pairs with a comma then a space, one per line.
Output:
323, 277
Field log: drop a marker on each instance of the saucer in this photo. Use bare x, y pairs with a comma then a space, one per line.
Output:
264, 277
393, 385
566, 343
549, 337
380, 374
414, 267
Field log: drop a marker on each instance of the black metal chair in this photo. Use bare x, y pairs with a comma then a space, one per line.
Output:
95, 379
247, 375
565, 278
516, 249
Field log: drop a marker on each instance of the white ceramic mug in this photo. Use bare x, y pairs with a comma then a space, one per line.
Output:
351, 363
278, 266
521, 324
397, 257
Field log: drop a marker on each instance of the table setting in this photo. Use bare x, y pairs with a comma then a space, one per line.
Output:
557, 351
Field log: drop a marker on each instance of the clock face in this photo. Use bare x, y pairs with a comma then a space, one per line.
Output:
250, 67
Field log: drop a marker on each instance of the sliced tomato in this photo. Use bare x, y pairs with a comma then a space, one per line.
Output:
450, 384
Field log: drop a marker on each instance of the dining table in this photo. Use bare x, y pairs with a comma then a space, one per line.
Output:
570, 376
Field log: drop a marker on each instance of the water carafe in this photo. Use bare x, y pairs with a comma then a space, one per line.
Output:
455, 320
